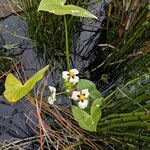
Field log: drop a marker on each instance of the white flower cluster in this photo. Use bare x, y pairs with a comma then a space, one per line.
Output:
80, 96
71, 76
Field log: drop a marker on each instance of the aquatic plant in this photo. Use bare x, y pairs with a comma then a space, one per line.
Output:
126, 113
118, 118
6, 61
59, 8
48, 30
5, 57
122, 41
15, 90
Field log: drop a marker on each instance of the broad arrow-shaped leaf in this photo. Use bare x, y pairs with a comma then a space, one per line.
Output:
86, 84
15, 90
85, 120
58, 7
95, 111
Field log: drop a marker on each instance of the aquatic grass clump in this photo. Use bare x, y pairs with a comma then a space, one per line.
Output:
59, 8
48, 30
6, 58
121, 41
126, 113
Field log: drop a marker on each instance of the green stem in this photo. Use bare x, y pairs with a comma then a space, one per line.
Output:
61, 93
133, 135
125, 124
67, 44
123, 115
126, 119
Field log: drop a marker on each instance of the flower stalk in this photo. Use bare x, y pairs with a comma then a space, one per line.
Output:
67, 44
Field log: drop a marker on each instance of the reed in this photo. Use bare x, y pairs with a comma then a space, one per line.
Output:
122, 41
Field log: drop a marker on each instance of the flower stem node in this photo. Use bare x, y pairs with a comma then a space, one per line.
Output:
81, 97
71, 76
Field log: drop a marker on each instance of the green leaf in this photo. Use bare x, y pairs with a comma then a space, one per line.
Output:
15, 90
78, 11
88, 121
61, 2
10, 46
96, 105
47, 3
83, 118
95, 111
86, 84
57, 7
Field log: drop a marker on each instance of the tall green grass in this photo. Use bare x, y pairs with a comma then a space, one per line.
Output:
48, 30
122, 44
126, 113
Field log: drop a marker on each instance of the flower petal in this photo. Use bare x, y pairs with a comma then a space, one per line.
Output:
75, 95
51, 100
75, 71
83, 104
74, 80
86, 93
65, 75
52, 89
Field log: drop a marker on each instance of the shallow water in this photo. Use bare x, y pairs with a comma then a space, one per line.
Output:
14, 117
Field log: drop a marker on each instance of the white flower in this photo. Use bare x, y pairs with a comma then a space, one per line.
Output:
75, 95
52, 89
71, 76
82, 97
86, 93
51, 100
83, 104
52, 97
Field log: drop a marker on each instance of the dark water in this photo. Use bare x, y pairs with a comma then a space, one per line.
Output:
16, 118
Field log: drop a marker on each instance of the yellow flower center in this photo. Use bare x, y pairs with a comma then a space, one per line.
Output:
71, 74
82, 97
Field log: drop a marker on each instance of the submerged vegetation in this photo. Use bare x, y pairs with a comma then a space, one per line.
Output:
119, 66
